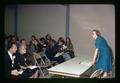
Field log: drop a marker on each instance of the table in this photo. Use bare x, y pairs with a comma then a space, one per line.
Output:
74, 67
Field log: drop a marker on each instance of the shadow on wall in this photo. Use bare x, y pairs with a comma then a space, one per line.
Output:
112, 57
113, 62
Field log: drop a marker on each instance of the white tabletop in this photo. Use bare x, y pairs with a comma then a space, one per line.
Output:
74, 67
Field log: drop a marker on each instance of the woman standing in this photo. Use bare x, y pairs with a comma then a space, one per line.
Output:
102, 55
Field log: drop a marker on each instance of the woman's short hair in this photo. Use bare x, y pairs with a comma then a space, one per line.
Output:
97, 32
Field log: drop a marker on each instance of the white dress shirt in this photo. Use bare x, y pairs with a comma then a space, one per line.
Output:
12, 57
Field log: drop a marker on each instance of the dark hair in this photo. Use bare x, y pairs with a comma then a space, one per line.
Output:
48, 35
22, 40
10, 44
42, 39
97, 32
69, 41
61, 39
53, 41
33, 36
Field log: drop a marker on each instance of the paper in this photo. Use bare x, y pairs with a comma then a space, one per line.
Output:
20, 72
58, 54
32, 67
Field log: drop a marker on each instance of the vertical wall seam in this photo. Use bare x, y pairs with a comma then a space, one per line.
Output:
15, 21
67, 20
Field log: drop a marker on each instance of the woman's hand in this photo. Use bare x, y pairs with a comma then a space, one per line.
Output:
95, 56
93, 62
14, 72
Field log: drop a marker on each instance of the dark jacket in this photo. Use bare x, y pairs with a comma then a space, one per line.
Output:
8, 66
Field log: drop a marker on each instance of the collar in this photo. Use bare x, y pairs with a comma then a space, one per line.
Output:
11, 56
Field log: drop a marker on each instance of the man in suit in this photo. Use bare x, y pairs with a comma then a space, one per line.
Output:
10, 70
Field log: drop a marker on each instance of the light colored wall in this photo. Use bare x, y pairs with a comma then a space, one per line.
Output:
40, 20
9, 20
84, 18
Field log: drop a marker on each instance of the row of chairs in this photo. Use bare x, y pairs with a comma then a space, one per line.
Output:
43, 62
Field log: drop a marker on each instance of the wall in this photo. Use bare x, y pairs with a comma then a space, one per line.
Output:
9, 20
40, 20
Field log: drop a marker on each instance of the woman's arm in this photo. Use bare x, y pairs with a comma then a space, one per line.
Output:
23, 67
95, 56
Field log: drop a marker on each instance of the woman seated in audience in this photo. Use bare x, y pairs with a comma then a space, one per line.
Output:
23, 64
60, 47
27, 54
31, 45
50, 51
42, 47
69, 49
39, 50
48, 40
42, 43
23, 42
36, 46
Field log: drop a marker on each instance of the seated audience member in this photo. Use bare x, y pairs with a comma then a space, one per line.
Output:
69, 49
48, 40
36, 46
50, 52
59, 47
15, 39
42, 47
31, 45
23, 42
25, 64
42, 44
12, 68
29, 58
10, 71
65, 55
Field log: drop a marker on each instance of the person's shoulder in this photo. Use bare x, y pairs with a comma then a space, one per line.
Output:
17, 55
6, 53
100, 38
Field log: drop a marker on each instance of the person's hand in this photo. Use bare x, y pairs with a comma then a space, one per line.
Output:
20, 71
14, 72
93, 62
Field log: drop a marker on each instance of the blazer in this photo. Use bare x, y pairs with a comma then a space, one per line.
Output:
8, 66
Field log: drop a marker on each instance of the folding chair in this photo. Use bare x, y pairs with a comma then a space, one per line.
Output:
96, 74
47, 62
37, 56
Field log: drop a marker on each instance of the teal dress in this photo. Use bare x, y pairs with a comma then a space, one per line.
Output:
104, 55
